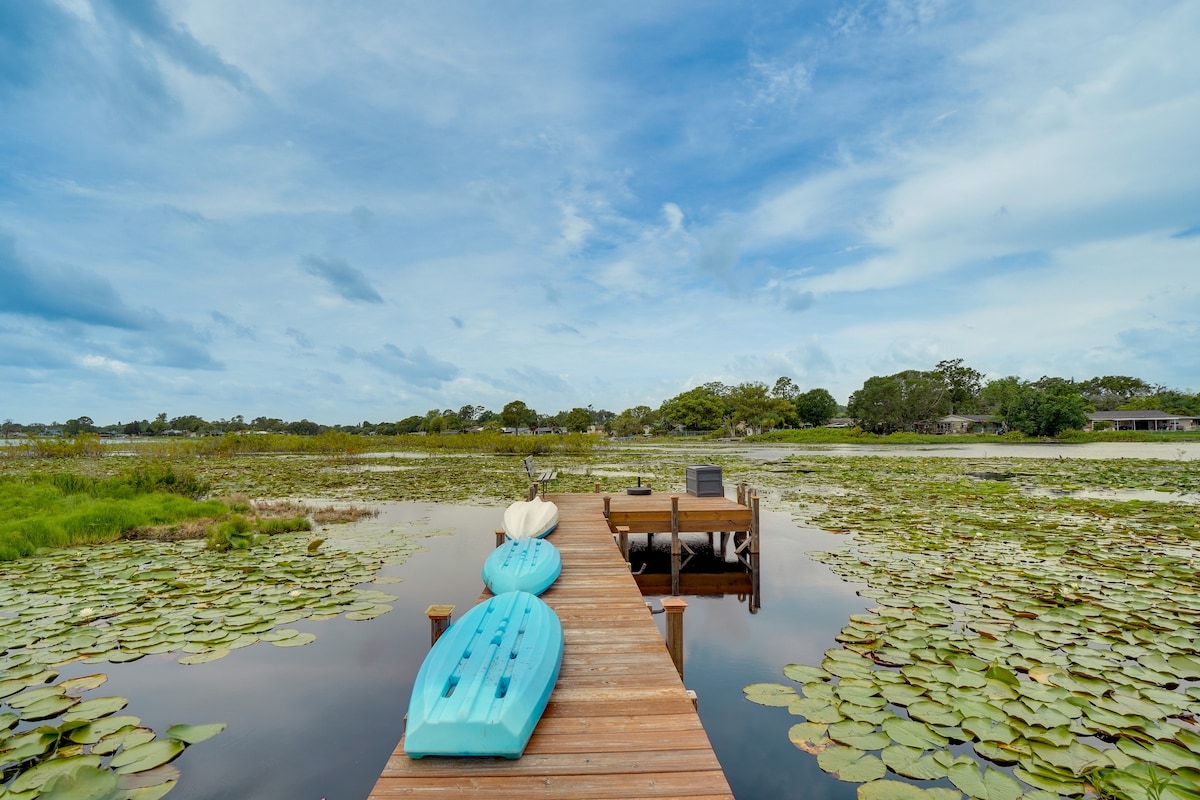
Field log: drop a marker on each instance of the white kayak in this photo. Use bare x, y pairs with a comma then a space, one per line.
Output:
530, 519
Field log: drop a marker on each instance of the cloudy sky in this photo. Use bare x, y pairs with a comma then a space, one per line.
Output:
368, 209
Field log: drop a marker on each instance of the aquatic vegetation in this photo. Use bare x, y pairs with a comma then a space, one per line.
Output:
92, 752
118, 602
1059, 638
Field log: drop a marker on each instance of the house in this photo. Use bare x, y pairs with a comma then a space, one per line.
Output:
840, 422
969, 423
1140, 420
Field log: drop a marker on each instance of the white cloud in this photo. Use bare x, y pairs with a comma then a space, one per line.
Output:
106, 364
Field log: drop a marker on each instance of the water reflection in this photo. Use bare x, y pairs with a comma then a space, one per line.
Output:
725, 649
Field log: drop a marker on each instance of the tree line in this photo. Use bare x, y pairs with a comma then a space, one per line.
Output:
911, 400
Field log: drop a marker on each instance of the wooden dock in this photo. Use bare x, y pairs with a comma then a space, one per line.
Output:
620, 723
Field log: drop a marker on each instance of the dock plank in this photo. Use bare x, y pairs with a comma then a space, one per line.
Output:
619, 723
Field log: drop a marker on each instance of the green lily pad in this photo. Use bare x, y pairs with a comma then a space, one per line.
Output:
85, 782
814, 710
770, 694
95, 708
84, 682
912, 762
46, 771
850, 764
47, 707
913, 734
205, 657
898, 790
147, 756
105, 726
194, 734
809, 736
990, 784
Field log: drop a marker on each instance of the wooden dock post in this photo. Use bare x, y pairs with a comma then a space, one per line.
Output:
675, 606
623, 541
500, 534
755, 523
596, 487
608, 509
532, 493
439, 620
675, 547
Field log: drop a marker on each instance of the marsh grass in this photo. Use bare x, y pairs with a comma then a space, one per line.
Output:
43, 515
333, 514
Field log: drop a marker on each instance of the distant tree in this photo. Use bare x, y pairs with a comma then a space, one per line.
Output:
1111, 392
303, 428
632, 421
74, 427
1040, 412
815, 407
786, 389
751, 403
485, 416
132, 429
699, 409
270, 424
1172, 401
516, 414
434, 422
962, 385
190, 423
409, 424
577, 420
898, 402
998, 395
467, 413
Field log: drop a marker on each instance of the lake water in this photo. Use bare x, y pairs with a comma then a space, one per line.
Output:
320, 721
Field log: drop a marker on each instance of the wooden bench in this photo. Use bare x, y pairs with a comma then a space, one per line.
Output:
539, 476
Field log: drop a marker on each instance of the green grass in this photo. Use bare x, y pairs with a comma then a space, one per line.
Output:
42, 514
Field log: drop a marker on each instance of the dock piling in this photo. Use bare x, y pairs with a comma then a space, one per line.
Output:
675, 547
439, 620
675, 606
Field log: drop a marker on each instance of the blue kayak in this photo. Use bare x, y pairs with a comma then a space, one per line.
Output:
522, 565
485, 683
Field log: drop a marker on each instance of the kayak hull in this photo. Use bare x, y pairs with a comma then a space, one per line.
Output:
484, 685
522, 565
530, 519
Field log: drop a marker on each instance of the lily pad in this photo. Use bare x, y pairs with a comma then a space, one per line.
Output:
990, 784
770, 694
850, 764
194, 734
147, 756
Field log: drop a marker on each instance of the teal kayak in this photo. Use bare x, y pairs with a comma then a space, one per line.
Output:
522, 565
484, 685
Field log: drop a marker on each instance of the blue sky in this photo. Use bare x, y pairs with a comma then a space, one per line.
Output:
364, 210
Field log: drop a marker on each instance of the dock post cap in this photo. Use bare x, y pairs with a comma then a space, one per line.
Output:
441, 611
674, 605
